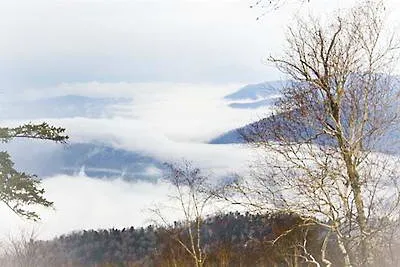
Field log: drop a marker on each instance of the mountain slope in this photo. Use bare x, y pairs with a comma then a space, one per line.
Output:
91, 159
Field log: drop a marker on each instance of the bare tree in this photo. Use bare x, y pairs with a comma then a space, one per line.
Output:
326, 144
20, 251
270, 5
26, 250
274, 3
190, 194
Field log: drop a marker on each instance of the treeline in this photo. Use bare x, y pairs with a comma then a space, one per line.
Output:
231, 239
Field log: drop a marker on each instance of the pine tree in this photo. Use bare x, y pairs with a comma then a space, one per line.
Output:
18, 190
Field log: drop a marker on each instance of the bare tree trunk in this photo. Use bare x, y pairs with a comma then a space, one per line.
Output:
296, 260
323, 250
346, 256
352, 176
354, 180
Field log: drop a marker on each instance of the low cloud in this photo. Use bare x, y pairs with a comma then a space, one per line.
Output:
165, 121
89, 203
169, 122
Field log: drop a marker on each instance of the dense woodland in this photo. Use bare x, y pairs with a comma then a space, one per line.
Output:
231, 239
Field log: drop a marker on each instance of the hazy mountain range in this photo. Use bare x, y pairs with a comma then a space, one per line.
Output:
96, 159
60, 107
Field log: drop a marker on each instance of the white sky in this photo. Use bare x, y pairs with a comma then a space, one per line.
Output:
47, 42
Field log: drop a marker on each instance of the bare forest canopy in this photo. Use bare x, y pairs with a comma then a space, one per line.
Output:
231, 239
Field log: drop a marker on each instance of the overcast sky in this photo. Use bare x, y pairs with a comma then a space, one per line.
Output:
50, 42
44, 43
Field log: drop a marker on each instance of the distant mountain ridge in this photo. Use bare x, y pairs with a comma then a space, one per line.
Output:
257, 91
251, 96
61, 107
387, 144
90, 159
255, 96
98, 159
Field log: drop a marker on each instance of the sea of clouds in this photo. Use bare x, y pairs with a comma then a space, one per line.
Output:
169, 122
55, 48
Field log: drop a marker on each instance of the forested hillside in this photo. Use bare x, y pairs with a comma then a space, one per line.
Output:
232, 239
